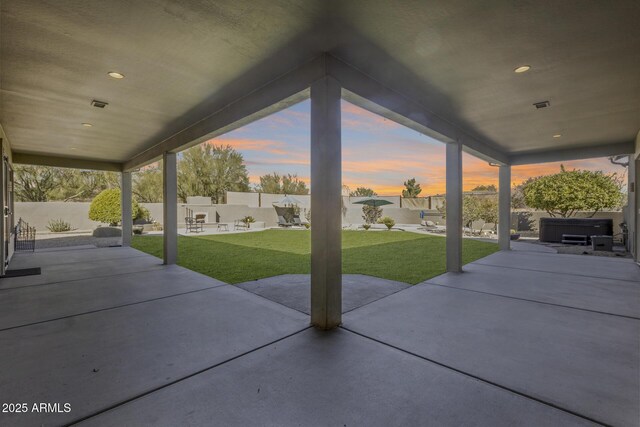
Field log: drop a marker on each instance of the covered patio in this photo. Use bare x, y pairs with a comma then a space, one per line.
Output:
521, 338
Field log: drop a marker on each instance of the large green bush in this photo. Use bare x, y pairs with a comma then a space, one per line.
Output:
105, 207
564, 193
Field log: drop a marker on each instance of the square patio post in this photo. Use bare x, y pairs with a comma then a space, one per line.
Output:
635, 215
631, 209
170, 208
125, 202
504, 208
326, 202
454, 207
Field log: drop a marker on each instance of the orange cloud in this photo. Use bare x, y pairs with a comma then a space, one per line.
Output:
390, 165
362, 118
248, 144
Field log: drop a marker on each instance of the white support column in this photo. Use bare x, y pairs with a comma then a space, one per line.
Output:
3, 206
631, 209
326, 200
504, 208
454, 207
635, 215
170, 208
125, 202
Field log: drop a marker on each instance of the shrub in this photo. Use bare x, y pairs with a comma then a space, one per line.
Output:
58, 226
142, 213
366, 226
248, 220
564, 193
137, 230
388, 221
105, 207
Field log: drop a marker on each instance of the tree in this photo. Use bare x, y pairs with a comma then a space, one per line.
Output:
292, 185
147, 184
210, 170
490, 187
274, 183
488, 207
81, 185
565, 193
517, 195
44, 183
475, 208
371, 214
363, 192
106, 207
411, 188
34, 183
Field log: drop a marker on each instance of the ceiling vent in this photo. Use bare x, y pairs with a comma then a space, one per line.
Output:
543, 104
99, 104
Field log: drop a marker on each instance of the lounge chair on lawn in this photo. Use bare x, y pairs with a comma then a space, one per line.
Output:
432, 227
282, 222
488, 229
476, 228
296, 221
428, 225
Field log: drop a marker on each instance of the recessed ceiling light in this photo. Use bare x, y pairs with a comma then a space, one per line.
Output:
522, 69
87, 125
115, 75
557, 135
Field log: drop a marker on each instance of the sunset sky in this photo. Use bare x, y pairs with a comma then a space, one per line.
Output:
376, 153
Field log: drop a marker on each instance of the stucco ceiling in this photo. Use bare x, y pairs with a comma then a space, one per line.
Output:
180, 58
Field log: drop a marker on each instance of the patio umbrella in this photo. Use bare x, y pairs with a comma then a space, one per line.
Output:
289, 200
373, 201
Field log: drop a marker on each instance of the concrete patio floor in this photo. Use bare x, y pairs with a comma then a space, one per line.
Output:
520, 338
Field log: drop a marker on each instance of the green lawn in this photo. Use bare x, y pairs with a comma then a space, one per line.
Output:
235, 258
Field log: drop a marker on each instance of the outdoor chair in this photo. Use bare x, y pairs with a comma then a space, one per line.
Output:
238, 224
428, 225
432, 227
296, 221
191, 224
282, 222
477, 227
488, 229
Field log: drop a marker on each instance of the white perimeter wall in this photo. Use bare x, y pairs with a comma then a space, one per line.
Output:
38, 214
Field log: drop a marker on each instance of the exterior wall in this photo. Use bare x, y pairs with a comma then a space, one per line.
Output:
199, 200
39, 214
5, 150
248, 199
267, 200
417, 203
